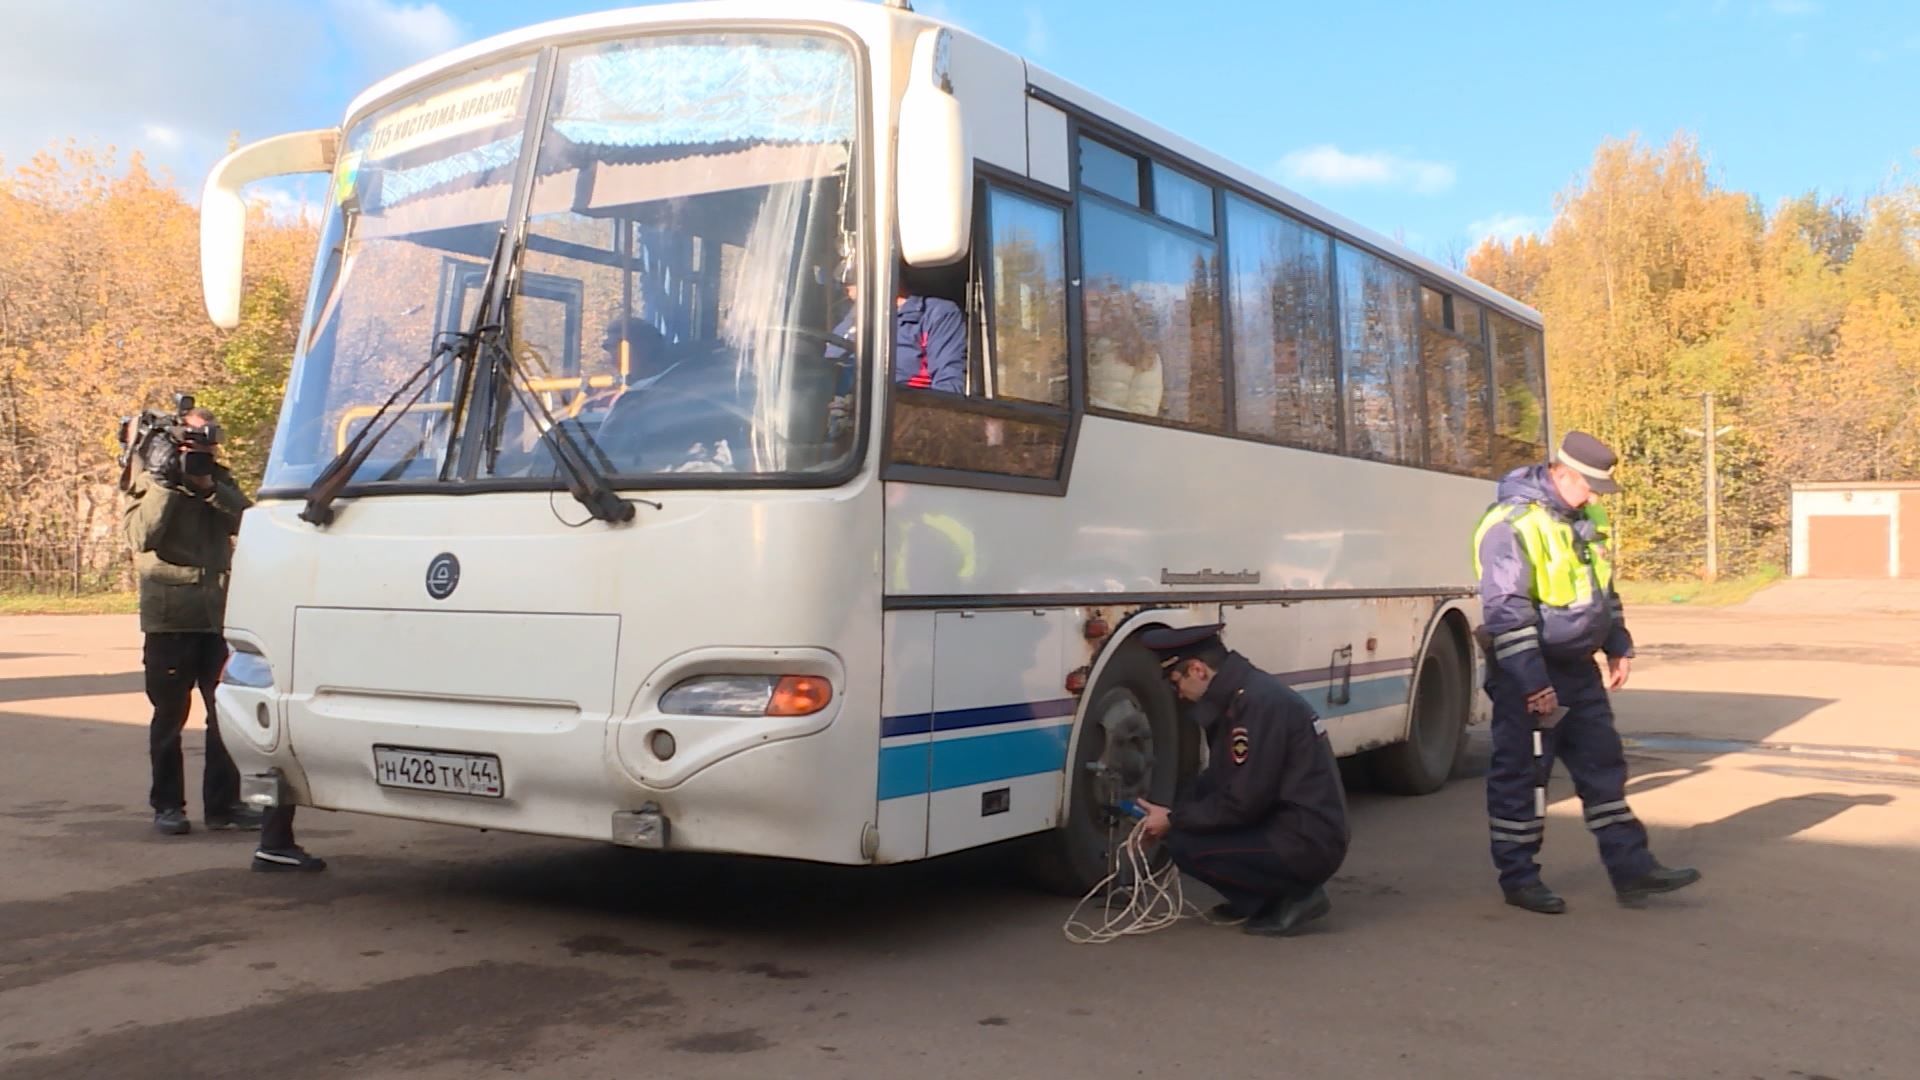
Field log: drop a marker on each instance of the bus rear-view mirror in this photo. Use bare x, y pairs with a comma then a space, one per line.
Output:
223, 211
935, 174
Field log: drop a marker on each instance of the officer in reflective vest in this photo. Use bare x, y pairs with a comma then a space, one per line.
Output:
1547, 598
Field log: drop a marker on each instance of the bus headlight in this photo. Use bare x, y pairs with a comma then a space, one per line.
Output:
247, 668
748, 695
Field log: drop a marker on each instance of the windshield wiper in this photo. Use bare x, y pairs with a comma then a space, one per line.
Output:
448, 347
338, 472
585, 480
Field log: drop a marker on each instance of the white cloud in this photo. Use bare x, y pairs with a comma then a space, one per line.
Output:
291, 199
1037, 35
1504, 227
1329, 166
138, 75
393, 34
104, 72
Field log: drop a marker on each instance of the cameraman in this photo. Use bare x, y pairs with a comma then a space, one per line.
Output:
181, 513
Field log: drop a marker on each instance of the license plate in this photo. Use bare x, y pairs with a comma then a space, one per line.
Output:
438, 770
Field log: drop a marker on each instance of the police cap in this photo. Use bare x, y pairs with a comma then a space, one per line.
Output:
1590, 458
1173, 646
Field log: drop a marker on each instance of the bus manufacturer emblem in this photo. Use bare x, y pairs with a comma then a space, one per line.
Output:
443, 575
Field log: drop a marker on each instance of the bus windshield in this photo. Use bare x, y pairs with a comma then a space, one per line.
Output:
687, 260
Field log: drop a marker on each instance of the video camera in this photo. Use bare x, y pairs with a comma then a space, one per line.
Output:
166, 445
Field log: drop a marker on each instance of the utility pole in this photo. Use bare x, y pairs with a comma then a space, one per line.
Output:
1709, 435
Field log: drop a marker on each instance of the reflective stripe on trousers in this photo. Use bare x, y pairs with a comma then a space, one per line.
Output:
1586, 743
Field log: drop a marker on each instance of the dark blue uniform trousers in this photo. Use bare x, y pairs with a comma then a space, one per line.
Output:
1586, 742
1242, 866
1245, 866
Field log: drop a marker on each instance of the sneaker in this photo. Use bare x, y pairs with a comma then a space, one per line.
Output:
171, 822
287, 861
238, 816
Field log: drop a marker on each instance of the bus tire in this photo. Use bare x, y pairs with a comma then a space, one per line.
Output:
1072, 858
1438, 729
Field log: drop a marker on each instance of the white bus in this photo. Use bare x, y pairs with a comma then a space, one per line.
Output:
595, 510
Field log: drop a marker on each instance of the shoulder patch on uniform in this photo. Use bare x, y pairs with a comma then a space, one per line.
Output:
1319, 726
1241, 745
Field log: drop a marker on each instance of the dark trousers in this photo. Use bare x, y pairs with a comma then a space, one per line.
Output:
1585, 741
276, 833
1243, 867
176, 664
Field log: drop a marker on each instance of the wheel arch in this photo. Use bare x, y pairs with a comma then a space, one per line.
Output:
1128, 628
1455, 617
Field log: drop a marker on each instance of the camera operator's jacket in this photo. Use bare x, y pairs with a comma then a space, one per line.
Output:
182, 545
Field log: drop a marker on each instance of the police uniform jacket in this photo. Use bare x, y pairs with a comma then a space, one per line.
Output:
1514, 620
1269, 767
182, 544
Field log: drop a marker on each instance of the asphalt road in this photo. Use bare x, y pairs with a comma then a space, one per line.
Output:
1775, 748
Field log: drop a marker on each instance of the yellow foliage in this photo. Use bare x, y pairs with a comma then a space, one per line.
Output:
100, 316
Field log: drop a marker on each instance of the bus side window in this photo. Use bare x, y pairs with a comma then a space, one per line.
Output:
1011, 417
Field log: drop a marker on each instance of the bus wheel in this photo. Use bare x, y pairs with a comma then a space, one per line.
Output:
1130, 744
1421, 764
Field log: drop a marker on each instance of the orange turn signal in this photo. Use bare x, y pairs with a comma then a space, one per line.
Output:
799, 695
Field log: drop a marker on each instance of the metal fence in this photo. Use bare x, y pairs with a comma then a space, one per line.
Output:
69, 568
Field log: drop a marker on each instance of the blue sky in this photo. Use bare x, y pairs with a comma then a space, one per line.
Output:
1437, 123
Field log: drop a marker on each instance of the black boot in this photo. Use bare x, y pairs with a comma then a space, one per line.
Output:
1537, 897
1225, 915
1290, 917
1657, 880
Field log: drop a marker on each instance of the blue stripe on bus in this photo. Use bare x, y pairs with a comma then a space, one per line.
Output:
921, 767
958, 719
977, 759
1366, 695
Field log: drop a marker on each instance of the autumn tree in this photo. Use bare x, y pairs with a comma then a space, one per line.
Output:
101, 316
1658, 286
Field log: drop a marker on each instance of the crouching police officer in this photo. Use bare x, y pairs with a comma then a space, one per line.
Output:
181, 512
1266, 824
1548, 604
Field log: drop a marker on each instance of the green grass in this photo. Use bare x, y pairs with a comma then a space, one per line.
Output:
1722, 593
39, 603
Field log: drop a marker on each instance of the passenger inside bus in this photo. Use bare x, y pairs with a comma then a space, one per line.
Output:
929, 338
929, 342
681, 410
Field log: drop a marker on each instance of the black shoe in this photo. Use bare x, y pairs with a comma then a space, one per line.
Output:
1537, 897
171, 822
287, 861
1225, 915
1657, 880
238, 816
1290, 917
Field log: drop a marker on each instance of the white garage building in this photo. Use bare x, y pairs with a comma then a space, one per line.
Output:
1866, 530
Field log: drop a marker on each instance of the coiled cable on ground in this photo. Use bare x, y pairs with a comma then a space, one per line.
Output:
1155, 898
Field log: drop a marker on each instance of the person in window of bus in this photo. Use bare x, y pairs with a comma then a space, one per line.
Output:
929, 342
1548, 604
1266, 824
